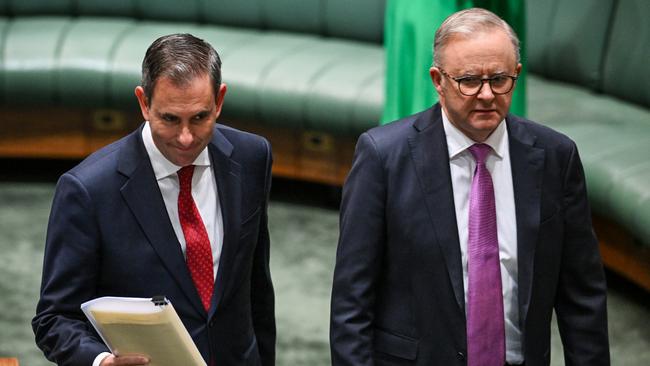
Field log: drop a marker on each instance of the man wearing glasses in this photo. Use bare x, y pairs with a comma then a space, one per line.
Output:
463, 227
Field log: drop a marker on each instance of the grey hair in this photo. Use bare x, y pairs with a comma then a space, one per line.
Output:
468, 22
181, 58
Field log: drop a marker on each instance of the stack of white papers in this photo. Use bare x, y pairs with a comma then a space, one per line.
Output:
149, 327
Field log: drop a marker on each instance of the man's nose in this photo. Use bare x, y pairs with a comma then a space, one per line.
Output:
185, 137
485, 92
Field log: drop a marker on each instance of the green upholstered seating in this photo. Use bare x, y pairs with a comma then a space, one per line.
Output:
309, 64
567, 39
596, 89
318, 65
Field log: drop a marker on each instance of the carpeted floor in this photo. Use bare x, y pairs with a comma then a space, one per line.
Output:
304, 230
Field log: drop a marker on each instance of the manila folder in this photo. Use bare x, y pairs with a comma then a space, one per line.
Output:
149, 327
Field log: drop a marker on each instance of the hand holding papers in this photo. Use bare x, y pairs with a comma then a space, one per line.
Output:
142, 326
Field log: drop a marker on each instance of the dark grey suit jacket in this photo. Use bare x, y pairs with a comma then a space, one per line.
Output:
398, 284
110, 235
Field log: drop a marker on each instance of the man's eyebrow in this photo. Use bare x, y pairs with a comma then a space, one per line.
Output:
167, 115
493, 74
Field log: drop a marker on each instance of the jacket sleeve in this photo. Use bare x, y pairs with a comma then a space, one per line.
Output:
69, 277
581, 304
358, 258
262, 295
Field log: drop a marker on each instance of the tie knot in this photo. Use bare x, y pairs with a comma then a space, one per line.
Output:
185, 176
480, 152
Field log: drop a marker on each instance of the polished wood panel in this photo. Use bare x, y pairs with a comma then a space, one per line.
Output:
43, 132
9, 362
622, 253
306, 155
61, 133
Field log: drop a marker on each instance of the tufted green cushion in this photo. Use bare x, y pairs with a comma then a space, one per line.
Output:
613, 138
246, 67
347, 97
85, 58
4, 25
125, 8
30, 59
626, 64
275, 78
319, 85
285, 79
49, 7
577, 38
175, 10
364, 21
539, 21
239, 13
125, 70
294, 15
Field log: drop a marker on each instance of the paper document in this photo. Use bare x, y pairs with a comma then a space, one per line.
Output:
150, 327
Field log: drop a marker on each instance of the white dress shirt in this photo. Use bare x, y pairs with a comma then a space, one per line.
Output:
204, 192
462, 166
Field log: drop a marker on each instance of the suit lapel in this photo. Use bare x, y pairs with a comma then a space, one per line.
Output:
142, 194
527, 164
431, 158
227, 175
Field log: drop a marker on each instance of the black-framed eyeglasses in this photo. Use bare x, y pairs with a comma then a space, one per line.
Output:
472, 85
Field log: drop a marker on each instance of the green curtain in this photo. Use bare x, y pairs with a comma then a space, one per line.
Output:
408, 37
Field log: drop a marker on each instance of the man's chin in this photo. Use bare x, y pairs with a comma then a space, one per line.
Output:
486, 124
182, 158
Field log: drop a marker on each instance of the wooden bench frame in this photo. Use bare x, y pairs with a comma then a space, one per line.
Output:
74, 133
622, 253
9, 362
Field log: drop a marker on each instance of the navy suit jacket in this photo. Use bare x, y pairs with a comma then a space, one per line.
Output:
398, 295
109, 234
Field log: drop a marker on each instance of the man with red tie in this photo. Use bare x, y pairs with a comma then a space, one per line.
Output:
464, 227
177, 208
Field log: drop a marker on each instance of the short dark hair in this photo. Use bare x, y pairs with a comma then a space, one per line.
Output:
180, 57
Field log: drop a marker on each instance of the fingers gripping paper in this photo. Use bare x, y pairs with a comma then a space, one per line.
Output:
149, 327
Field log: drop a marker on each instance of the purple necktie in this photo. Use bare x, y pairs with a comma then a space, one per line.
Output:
485, 328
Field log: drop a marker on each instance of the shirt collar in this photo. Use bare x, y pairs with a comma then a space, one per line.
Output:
457, 141
162, 167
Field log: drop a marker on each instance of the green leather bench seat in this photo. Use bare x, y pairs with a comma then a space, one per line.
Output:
567, 38
597, 52
276, 78
614, 142
309, 64
319, 65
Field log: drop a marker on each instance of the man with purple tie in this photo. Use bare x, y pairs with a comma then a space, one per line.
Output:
464, 227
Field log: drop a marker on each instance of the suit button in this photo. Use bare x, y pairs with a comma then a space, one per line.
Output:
460, 356
211, 324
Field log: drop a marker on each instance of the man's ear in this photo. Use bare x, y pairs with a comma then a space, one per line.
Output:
220, 97
436, 79
142, 101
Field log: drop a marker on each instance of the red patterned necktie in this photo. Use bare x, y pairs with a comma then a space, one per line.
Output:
485, 323
198, 252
